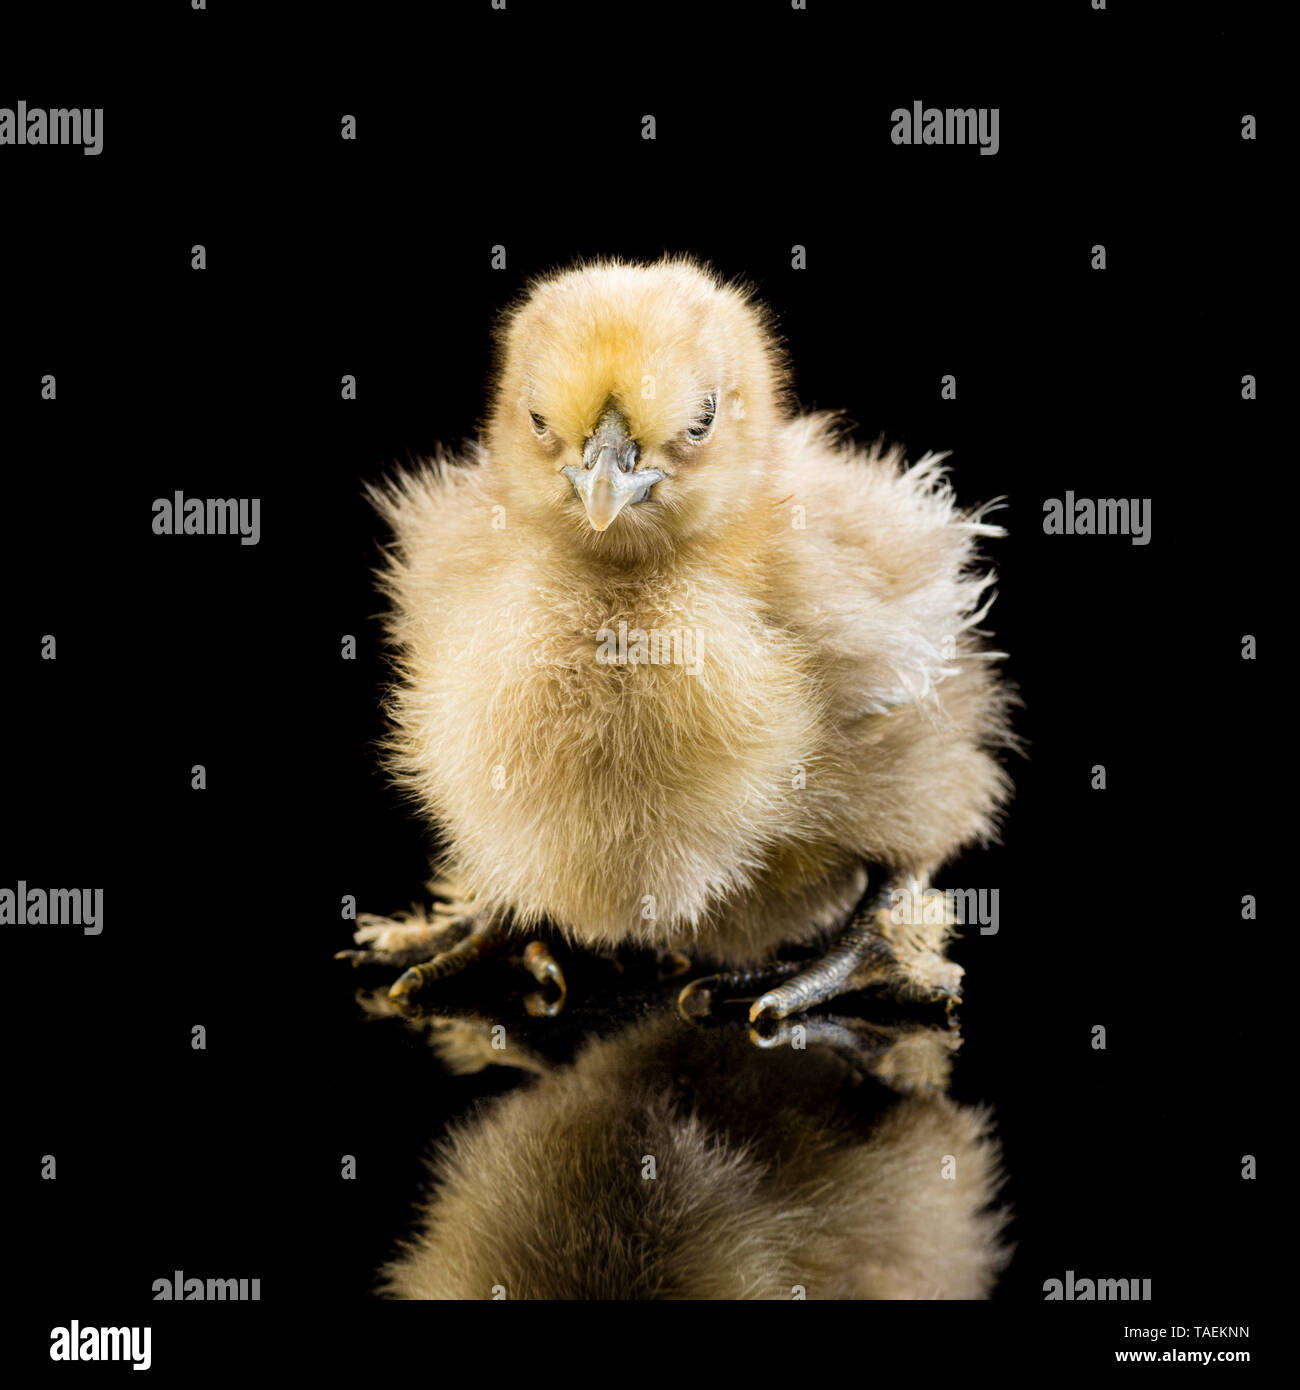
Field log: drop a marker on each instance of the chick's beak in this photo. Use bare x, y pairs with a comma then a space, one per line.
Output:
607, 480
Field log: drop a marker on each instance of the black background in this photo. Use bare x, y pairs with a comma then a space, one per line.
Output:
476, 128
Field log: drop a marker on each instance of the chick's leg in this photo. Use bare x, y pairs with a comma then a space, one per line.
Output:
697, 998
429, 945
481, 940
876, 948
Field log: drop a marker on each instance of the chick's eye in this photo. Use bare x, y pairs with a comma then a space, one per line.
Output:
703, 426
539, 425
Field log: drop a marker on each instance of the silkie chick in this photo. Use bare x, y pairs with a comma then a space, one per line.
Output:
676, 666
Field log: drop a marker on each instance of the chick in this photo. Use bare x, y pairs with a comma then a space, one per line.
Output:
672, 1161
676, 666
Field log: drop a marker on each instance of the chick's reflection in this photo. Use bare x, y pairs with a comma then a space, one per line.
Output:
679, 1161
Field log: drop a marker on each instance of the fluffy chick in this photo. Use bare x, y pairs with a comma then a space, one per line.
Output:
835, 709
774, 1174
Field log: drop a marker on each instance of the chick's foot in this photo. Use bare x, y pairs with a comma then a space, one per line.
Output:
482, 941
697, 998
408, 938
446, 942
876, 948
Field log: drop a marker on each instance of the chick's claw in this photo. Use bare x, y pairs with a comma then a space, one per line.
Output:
483, 940
545, 969
696, 999
859, 958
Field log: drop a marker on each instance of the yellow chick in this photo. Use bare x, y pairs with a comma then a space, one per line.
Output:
677, 666
679, 1162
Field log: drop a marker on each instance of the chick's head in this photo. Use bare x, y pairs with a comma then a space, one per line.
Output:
635, 406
